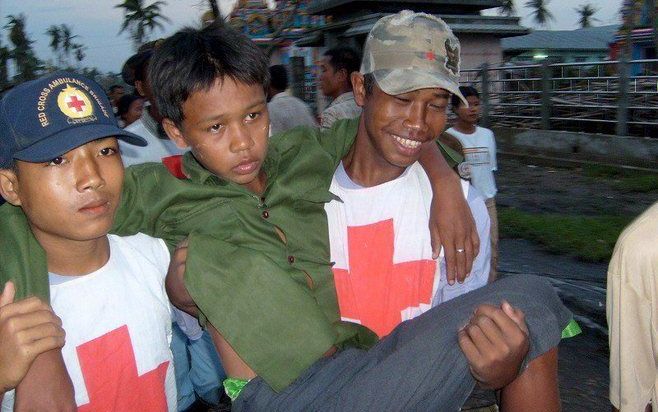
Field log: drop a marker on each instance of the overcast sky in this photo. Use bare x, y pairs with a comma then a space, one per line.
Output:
98, 22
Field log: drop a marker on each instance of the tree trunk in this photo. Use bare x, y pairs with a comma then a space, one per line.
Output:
215, 9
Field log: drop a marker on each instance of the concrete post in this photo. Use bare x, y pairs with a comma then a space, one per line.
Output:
622, 102
546, 91
297, 71
486, 96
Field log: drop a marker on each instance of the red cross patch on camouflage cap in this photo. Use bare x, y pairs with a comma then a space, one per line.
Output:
409, 51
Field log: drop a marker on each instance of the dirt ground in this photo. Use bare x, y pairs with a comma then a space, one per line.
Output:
583, 368
544, 189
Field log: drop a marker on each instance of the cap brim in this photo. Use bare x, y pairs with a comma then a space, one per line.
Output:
400, 81
68, 139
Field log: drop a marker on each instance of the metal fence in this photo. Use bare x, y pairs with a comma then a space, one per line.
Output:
612, 97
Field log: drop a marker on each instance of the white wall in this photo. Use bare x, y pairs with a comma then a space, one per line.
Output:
477, 49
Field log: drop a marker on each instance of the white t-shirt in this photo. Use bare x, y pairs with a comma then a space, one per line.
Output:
480, 154
118, 330
156, 150
381, 246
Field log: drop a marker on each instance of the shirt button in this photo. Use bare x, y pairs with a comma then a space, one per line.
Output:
266, 214
291, 259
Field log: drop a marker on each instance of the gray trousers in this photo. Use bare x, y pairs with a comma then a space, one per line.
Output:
419, 366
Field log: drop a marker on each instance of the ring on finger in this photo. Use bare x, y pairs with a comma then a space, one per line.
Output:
460, 250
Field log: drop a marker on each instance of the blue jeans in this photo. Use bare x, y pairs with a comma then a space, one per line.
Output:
199, 372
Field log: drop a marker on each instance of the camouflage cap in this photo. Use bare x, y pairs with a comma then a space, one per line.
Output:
409, 51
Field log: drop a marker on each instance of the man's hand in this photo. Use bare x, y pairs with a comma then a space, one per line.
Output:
175, 284
452, 225
451, 222
495, 342
28, 328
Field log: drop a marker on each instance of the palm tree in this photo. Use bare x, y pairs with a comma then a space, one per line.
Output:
4, 72
586, 13
26, 61
215, 9
53, 32
140, 20
539, 12
507, 8
61, 42
67, 40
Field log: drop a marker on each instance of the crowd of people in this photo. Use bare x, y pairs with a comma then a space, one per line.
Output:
207, 237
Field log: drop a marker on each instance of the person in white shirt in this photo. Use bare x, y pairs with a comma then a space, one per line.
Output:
66, 174
336, 67
286, 111
160, 148
479, 147
380, 242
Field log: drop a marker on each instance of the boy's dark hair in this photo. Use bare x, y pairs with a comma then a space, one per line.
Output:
193, 59
141, 65
278, 77
466, 91
114, 87
344, 58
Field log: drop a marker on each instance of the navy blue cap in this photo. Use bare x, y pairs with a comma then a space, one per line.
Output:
47, 117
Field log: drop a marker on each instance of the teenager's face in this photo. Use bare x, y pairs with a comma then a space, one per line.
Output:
72, 197
471, 113
330, 79
134, 111
398, 125
226, 127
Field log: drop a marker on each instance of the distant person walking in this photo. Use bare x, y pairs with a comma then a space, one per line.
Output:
336, 67
286, 111
479, 146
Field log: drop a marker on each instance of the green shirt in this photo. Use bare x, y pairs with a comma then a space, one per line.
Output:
274, 301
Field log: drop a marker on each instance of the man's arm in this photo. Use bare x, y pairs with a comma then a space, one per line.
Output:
451, 222
28, 328
30, 357
47, 386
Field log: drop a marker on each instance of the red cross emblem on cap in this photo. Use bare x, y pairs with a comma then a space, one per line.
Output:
75, 103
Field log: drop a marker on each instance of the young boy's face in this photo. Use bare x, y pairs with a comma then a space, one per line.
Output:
398, 125
227, 128
72, 197
471, 113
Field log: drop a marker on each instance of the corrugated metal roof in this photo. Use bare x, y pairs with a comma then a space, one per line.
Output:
487, 28
593, 38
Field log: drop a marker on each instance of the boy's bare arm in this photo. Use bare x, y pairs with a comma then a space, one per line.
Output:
451, 221
30, 357
175, 284
47, 386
